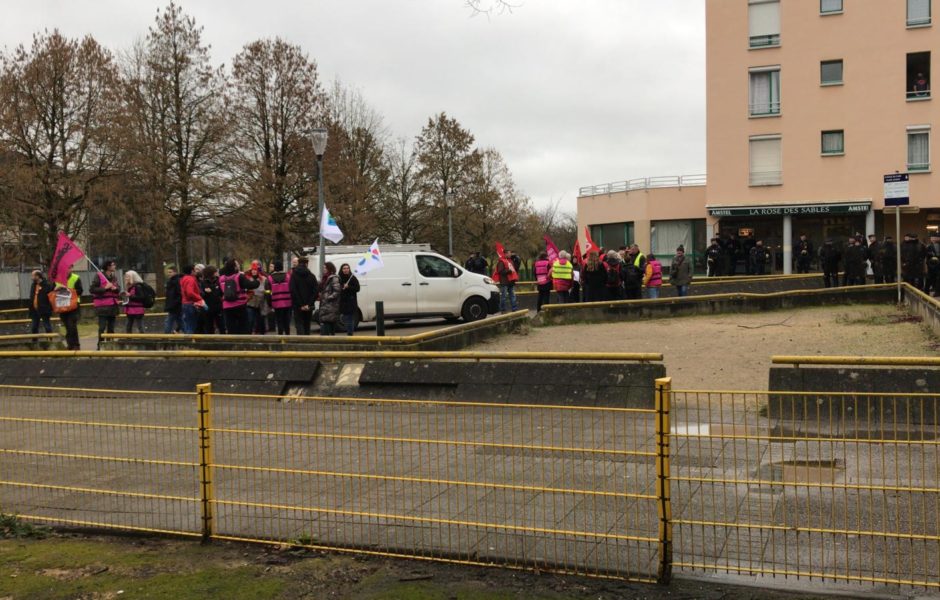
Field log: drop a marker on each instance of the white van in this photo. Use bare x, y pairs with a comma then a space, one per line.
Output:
416, 282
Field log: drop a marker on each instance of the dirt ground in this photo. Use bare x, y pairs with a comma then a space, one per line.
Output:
733, 351
111, 568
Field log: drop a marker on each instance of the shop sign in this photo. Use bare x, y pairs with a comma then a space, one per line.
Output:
779, 211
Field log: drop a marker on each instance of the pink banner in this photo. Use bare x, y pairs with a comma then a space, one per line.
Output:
550, 248
66, 255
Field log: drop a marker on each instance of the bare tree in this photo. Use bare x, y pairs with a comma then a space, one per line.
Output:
491, 7
402, 207
177, 125
57, 99
276, 100
493, 210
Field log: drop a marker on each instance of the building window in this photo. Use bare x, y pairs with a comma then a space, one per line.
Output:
828, 7
918, 75
666, 236
763, 18
918, 148
918, 13
765, 160
765, 92
833, 142
830, 72
612, 235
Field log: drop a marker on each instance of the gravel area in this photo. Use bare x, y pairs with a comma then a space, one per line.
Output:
733, 351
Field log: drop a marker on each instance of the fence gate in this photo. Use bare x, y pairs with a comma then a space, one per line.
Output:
840, 487
558, 488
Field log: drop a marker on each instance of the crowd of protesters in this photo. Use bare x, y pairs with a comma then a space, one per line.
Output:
206, 299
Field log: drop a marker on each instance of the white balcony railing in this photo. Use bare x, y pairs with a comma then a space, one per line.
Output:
644, 183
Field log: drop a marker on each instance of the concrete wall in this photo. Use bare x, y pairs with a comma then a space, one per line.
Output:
599, 312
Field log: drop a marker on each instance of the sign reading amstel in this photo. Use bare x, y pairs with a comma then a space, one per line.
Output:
795, 209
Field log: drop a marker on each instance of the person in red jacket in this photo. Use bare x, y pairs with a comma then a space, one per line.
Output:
192, 299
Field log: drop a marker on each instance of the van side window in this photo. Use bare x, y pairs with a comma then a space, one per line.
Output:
432, 266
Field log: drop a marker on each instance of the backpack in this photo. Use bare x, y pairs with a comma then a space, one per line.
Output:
230, 289
148, 296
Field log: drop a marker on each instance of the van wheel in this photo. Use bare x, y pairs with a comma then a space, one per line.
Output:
473, 309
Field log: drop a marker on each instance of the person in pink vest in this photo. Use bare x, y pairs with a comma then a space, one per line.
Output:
277, 288
653, 279
543, 282
134, 309
235, 287
106, 297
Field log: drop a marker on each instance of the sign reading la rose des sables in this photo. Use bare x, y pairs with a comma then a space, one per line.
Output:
775, 211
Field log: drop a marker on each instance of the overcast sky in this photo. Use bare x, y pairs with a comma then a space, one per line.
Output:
571, 93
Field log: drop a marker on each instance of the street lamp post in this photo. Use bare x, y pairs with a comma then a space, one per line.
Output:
449, 203
319, 136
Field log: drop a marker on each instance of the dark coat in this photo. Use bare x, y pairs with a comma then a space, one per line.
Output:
174, 295
212, 293
594, 282
303, 287
829, 258
44, 307
348, 300
912, 259
854, 262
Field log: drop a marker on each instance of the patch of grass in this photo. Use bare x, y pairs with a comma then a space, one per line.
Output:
877, 319
11, 526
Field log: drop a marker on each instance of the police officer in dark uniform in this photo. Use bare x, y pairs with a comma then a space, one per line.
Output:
729, 265
889, 260
829, 257
854, 259
932, 253
713, 258
804, 254
876, 258
912, 261
758, 258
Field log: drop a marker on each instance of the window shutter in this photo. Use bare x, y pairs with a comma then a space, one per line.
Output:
764, 18
766, 163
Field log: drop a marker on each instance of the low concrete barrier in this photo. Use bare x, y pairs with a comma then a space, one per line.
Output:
32, 341
446, 338
543, 378
595, 312
840, 394
921, 305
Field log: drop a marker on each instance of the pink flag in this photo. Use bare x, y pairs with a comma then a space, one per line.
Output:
550, 248
66, 255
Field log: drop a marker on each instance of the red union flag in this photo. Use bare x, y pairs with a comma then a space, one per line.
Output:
66, 255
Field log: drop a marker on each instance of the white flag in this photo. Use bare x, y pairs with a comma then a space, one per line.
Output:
371, 260
328, 227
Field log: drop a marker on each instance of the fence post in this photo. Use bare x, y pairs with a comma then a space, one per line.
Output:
663, 402
206, 482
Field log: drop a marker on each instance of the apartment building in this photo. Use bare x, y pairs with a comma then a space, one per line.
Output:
809, 104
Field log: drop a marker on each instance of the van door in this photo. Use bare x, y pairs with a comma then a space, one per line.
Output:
393, 284
439, 291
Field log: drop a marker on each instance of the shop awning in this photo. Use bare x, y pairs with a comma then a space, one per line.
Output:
839, 208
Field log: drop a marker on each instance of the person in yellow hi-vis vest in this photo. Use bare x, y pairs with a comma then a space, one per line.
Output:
562, 274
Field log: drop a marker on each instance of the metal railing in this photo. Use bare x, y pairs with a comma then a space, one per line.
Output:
764, 109
828, 486
819, 485
573, 489
643, 183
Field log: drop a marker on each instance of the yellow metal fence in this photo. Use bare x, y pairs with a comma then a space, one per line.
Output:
570, 489
829, 486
